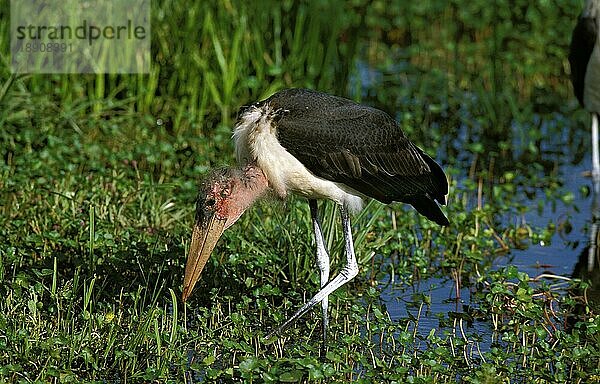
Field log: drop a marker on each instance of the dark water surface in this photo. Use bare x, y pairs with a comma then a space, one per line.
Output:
559, 257
564, 151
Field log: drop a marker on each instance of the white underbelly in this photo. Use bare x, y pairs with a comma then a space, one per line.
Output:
591, 91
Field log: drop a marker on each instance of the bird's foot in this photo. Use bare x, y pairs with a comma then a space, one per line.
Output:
345, 275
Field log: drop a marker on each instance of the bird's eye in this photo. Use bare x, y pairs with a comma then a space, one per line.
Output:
210, 202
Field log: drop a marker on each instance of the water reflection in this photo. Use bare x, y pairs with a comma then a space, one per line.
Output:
587, 269
593, 247
544, 147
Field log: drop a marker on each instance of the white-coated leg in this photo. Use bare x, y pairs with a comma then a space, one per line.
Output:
595, 154
346, 274
322, 262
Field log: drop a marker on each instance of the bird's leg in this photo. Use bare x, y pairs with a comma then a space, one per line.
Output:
346, 274
595, 154
322, 263
593, 248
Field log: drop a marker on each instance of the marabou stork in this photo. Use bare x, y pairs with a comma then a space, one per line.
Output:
584, 58
321, 147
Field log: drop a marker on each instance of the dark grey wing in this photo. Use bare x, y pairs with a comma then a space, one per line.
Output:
582, 44
361, 147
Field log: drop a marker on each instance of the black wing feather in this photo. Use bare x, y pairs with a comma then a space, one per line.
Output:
359, 146
582, 44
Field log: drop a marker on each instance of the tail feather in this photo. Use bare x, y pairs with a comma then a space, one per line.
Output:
428, 208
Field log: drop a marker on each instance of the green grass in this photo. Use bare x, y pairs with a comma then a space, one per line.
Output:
99, 174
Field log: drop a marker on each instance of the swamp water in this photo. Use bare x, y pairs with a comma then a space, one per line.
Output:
555, 261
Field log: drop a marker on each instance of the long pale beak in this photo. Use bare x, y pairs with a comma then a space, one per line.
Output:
204, 238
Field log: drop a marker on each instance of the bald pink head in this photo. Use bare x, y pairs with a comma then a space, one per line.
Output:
223, 198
